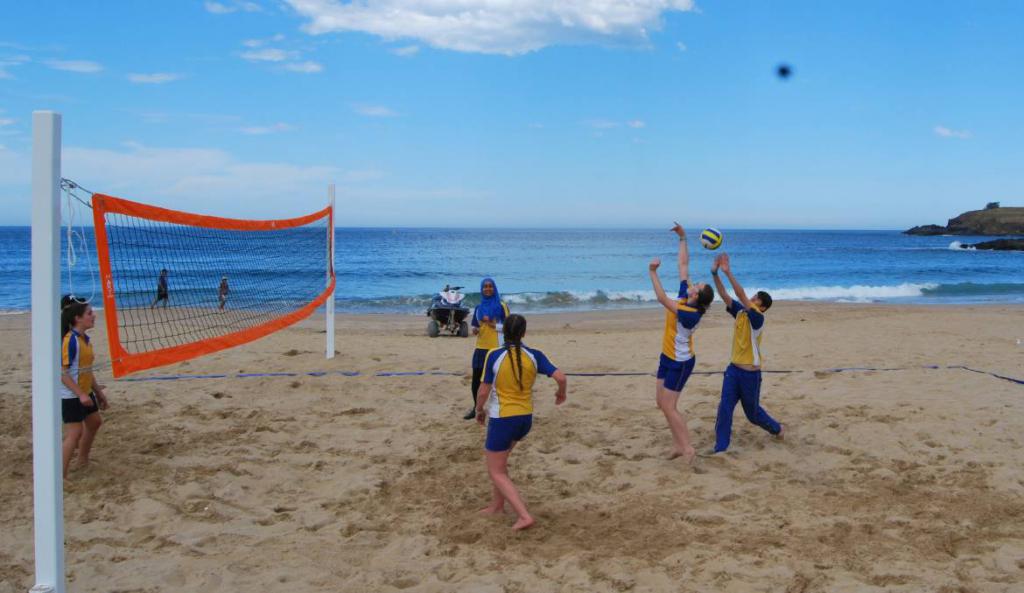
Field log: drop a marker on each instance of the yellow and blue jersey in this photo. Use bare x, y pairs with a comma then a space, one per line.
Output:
487, 339
677, 342
76, 361
508, 397
746, 339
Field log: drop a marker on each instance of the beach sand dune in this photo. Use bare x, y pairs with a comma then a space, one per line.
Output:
889, 480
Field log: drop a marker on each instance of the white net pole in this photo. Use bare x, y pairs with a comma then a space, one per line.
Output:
329, 305
46, 438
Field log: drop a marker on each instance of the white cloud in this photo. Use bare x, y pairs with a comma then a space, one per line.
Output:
407, 51
681, 46
81, 66
491, 26
209, 119
304, 67
945, 132
262, 130
607, 124
235, 6
258, 52
269, 55
155, 78
262, 42
10, 61
205, 180
6, 121
217, 8
374, 111
601, 124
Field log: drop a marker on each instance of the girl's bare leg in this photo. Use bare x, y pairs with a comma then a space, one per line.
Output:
667, 403
497, 499
92, 423
72, 433
497, 467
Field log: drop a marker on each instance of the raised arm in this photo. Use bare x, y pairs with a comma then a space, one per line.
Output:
740, 293
719, 285
663, 298
684, 253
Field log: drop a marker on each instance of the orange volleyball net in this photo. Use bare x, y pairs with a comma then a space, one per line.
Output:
178, 285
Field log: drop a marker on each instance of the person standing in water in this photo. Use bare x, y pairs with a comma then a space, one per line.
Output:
222, 292
161, 289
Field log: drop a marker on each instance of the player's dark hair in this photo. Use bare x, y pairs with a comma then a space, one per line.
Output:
704, 298
514, 330
765, 298
71, 308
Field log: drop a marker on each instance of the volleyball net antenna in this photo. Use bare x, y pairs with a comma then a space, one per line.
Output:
178, 285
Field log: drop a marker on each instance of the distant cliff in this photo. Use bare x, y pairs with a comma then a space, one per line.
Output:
991, 221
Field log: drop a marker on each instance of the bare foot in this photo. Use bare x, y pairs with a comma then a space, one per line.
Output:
523, 523
491, 510
782, 433
688, 456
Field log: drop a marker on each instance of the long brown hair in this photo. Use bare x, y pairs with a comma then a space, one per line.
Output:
514, 330
704, 298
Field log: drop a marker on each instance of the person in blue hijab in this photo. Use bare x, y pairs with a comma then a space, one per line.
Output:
488, 314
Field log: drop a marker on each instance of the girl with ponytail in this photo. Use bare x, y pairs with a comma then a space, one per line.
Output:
81, 396
677, 357
505, 402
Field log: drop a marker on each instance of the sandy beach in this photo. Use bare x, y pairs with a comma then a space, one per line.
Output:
903, 480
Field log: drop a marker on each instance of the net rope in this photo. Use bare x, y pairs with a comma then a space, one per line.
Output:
227, 281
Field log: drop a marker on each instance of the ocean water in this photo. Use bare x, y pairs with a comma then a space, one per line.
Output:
397, 270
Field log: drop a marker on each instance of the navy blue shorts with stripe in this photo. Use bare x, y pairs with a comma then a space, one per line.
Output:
502, 432
72, 410
674, 372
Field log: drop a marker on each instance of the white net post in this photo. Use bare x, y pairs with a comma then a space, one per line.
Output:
48, 488
329, 304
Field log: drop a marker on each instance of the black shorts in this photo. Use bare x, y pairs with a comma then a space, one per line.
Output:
72, 410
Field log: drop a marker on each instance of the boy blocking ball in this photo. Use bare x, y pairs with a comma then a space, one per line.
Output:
742, 382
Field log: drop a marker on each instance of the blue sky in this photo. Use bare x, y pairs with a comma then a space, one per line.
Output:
485, 113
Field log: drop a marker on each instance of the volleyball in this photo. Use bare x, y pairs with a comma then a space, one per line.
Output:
711, 238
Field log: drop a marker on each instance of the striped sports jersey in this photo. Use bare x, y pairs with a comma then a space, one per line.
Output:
677, 342
746, 339
76, 360
501, 368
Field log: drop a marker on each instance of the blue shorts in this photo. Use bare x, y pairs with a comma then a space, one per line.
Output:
674, 372
502, 432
